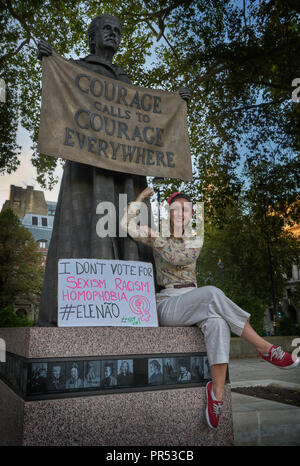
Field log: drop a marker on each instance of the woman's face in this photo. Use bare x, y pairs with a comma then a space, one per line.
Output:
180, 214
153, 368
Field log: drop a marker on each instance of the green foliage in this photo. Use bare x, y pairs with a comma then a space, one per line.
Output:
21, 271
238, 58
295, 300
287, 327
243, 252
9, 117
8, 318
255, 307
242, 248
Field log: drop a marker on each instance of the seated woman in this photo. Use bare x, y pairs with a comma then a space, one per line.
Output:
181, 303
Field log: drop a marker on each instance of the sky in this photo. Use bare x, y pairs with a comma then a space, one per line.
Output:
26, 172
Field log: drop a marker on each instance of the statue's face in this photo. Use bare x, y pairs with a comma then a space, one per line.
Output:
56, 372
108, 35
107, 371
183, 370
125, 367
152, 368
74, 373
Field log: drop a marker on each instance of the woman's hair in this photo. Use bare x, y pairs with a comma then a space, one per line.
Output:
176, 196
156, 364
95, 23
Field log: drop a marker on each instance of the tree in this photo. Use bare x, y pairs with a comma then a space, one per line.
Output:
238, 58
242, 247
64, 24
8, 318
21, 271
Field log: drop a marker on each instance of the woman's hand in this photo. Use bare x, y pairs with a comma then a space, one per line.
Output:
147, 192
148, 231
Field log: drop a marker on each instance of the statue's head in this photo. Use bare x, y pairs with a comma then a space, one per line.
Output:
104, 33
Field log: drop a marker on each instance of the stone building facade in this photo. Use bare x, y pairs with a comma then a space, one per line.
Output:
37, 215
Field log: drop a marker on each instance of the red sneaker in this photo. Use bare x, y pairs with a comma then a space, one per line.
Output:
213, 408
280, 358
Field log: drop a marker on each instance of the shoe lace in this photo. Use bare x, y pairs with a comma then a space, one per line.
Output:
217, 409
277, 353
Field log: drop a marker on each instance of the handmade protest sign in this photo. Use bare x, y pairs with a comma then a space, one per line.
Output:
99, 292
99, 121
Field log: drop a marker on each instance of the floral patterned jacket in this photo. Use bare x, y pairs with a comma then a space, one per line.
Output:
175, 258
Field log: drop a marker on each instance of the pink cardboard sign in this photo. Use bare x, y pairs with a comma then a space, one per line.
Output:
100, 292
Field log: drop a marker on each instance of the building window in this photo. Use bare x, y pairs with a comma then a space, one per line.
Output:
21, 312
34, 220
42, 244
44, 222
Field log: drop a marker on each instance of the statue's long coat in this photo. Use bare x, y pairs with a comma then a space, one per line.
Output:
74, 230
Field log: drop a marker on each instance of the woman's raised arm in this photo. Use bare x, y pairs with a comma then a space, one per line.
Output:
142, 233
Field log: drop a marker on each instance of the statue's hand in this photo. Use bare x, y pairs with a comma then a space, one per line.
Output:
185, 93
44, 49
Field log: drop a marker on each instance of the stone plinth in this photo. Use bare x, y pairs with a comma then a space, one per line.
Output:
156, 397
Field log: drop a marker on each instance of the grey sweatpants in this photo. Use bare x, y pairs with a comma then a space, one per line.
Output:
210, 309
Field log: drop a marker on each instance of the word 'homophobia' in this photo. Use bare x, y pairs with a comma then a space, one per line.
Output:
84, 295
105, 295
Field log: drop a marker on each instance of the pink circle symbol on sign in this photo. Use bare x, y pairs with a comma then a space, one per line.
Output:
140, 306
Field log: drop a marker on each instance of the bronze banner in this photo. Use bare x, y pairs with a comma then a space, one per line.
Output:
92, 119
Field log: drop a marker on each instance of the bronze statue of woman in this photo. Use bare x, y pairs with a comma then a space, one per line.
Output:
83, 186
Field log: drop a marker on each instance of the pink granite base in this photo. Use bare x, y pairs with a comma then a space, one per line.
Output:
160, 418
11, 417
47, 342
170, 417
